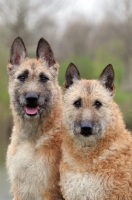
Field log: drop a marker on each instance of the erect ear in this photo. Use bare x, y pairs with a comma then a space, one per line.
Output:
45, 53
71, 76
107, 78
17, 52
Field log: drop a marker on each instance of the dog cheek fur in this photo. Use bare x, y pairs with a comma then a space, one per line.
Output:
100, 121
73, 118
47, 99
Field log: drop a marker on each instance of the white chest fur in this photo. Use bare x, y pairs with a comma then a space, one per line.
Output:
84, 186
29, 171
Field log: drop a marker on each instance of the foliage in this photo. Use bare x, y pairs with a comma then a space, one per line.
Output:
83, 63
4, 98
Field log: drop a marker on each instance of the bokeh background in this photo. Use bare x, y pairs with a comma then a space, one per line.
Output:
89, 33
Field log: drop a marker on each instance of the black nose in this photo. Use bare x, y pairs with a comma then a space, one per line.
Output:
86, 129
32, 99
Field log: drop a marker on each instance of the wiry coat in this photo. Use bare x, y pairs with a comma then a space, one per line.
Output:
97, 166
34, 152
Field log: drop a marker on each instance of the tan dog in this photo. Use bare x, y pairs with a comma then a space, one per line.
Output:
97, 148
34, 153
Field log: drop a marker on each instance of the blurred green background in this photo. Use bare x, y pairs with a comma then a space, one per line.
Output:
91, 35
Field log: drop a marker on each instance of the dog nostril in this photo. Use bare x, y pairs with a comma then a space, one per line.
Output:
86, 129
31, 97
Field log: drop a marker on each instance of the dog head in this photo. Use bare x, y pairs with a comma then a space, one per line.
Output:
33, 86
88, 104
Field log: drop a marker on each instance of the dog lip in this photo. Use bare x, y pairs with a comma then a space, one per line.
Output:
31, 111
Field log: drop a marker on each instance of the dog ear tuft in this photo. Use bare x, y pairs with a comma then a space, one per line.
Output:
107, 78
17, 52
45, 53
71, 76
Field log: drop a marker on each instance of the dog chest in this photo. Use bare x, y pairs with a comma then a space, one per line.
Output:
29, 170
84, 186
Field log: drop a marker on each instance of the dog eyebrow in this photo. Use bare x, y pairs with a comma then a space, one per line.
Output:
24, 73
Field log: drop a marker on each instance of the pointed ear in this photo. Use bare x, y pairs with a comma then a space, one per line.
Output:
45, 53
17, 52
107, 78
71, 76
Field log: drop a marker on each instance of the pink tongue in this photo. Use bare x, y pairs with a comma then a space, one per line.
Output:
31, 111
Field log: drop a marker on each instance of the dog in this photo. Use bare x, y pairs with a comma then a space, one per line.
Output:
33, 155
96, 149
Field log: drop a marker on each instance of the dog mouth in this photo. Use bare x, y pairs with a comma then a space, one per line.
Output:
31, 111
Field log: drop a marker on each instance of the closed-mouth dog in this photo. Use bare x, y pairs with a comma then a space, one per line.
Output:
97, 149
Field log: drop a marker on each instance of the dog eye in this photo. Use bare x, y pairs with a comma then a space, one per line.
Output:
43, 78
22, 78
78, 103
97, 104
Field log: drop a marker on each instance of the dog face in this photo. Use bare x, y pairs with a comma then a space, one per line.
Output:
88, 104
33, 86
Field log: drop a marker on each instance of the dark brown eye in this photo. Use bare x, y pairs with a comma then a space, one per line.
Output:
43, 78
78, 103
97, 104
22, 78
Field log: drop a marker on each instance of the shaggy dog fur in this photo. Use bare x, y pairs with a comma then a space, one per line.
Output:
34, 153
97, 148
